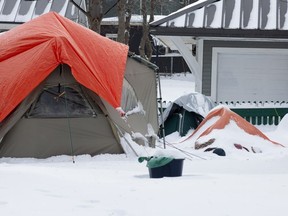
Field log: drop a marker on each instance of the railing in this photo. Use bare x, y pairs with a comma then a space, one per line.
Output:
260, 113
268, 113
262, 116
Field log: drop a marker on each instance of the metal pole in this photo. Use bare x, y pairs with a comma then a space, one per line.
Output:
171, 66
160, 98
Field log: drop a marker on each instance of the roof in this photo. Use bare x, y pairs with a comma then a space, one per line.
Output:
31, 51
136, 20
234, 18
14, 12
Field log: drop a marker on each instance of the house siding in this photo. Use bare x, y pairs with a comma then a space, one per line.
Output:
208, 45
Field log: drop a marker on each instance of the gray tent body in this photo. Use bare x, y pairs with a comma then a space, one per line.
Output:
62, 117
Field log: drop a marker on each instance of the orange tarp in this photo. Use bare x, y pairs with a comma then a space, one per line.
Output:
225, 116
30, 52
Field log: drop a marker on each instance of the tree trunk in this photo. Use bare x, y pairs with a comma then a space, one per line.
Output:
94, 13
129, 6
144, 30
145, 48
152, 9
121, 9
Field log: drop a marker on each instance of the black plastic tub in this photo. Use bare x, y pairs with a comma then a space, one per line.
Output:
172, 169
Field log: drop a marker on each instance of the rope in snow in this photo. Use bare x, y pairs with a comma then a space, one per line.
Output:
191, 155
121, 133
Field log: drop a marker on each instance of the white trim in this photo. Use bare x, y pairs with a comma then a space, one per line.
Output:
190, 60
214, 73
216, 51
244, 39
199, 58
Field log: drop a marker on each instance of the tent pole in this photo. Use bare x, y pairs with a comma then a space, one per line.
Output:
160, 98
67, 116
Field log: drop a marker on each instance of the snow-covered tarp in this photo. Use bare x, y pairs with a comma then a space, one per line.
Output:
192, 102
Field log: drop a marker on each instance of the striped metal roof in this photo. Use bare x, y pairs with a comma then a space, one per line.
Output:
20, 11
230, 14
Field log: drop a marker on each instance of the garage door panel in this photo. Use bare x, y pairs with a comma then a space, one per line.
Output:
242, 75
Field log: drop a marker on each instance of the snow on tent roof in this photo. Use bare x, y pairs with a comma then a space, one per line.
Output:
193, 102
219, 118
20, 11
230, 14
31, 51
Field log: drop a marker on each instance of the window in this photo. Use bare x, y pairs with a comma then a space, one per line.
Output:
61, 102
129, 99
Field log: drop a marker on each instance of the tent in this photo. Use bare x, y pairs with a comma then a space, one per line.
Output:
61, 89
212, 127
186, 113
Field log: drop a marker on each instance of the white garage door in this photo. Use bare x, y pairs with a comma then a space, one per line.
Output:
240, 74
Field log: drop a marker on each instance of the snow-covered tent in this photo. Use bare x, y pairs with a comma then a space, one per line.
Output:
186, 113
62, 87
214, 132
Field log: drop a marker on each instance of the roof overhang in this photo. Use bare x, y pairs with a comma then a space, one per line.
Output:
8, 25
223, 18
212, 32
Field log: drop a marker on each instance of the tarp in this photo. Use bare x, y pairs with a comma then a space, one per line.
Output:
225, 116
192, 102
185, 113
30, 52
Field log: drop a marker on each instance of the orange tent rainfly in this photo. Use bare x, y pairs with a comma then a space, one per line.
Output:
225, 116
30, 52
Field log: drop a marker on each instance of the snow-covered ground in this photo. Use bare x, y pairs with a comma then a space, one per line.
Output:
175, 86
242, 183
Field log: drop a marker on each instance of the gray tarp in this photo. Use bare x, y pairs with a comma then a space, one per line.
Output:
193, 102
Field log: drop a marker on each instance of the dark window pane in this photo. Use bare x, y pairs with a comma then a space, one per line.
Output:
61, 102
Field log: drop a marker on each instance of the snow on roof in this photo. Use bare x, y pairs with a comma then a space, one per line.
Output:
20, 11
230, 14
136, 19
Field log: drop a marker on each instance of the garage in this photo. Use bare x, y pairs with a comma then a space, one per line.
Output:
249, 74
